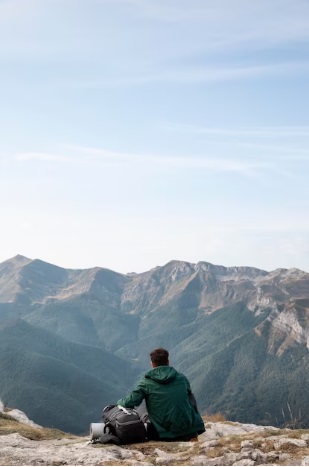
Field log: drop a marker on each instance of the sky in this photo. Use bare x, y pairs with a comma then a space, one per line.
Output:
135, 132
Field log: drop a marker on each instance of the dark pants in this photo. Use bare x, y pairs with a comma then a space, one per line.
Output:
152, 434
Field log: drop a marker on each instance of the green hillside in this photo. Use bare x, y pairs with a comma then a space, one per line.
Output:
248, 384
56, 382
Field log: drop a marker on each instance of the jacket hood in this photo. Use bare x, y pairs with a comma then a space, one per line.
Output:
162, 374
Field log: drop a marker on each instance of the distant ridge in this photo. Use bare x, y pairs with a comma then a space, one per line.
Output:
200, 264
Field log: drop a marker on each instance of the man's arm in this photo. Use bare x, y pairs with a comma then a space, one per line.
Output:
134, 399
192, 399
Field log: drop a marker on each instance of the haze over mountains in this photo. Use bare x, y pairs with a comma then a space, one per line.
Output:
72, 341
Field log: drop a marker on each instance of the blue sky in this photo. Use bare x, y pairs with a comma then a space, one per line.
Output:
134, 132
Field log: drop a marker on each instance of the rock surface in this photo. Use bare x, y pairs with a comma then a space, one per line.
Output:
18, 415
223, 443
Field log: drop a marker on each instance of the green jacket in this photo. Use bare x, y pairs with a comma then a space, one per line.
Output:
166, 393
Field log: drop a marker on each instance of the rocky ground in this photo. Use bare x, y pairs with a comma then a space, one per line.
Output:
22, 442
224, 443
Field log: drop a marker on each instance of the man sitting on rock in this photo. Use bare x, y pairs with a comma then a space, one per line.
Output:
171, 406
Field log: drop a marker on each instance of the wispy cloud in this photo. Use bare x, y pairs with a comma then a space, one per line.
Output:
40, 156
260, 132
242, 24
197, 28
286, 142
220, 164
196, 75
80, 154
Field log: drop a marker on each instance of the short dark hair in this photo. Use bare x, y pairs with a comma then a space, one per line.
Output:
159, 357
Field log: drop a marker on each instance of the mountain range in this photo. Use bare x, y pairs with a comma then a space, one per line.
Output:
72, 341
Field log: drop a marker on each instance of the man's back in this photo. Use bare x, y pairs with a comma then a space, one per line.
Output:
166, 392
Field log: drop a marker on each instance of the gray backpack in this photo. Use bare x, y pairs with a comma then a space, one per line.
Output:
124, 424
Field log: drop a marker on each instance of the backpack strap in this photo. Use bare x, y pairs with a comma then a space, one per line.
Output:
108, 438
106, 429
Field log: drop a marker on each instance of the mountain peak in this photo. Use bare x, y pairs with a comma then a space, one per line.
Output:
19, 259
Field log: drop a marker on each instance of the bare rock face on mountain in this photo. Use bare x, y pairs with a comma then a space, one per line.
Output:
240, 334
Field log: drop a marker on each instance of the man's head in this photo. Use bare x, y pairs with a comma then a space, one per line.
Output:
159, 357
